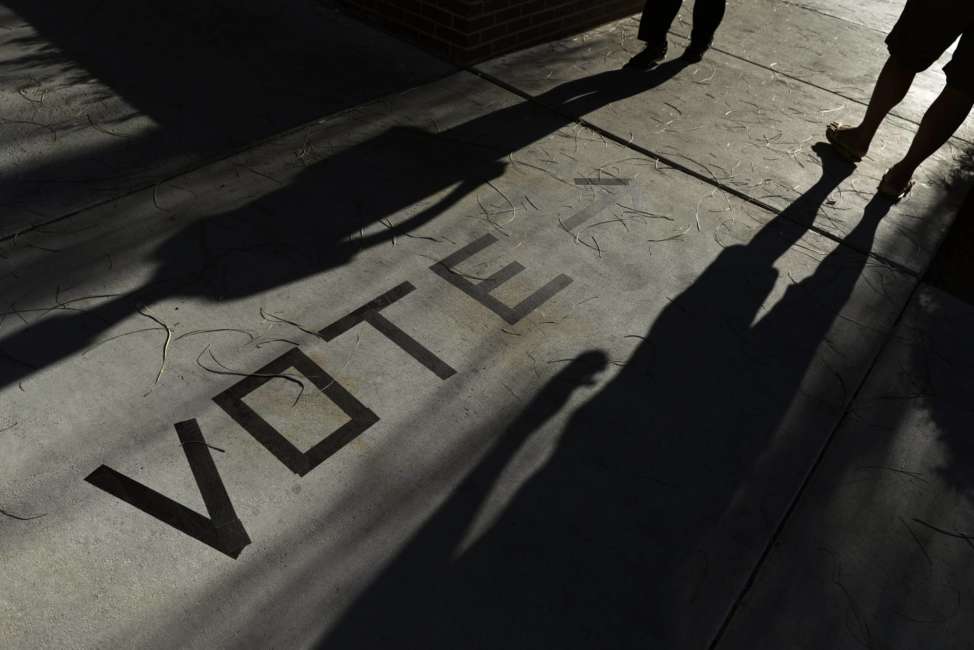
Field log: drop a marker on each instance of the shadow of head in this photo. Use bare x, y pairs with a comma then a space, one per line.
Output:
583, 369
319, 221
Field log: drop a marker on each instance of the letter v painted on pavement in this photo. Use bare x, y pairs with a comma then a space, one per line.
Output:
222, 530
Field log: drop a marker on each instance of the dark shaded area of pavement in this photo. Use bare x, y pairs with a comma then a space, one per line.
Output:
221, 72
601, 547
213, 75
877, 553
952, 270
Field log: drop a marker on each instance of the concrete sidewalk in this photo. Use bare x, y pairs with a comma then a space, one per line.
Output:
541, 354
146, 91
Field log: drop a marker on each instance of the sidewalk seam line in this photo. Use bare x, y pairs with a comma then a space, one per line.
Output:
749, 583
809, 475
892, 113
688, 171
797, 5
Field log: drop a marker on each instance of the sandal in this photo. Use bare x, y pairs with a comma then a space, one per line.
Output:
893, 192
833, 133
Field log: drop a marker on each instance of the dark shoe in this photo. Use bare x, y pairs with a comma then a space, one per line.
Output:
694, 52
648, 58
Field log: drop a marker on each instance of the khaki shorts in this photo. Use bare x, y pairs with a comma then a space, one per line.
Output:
926, 29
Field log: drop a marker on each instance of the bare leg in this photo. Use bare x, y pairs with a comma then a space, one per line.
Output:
940, 122
891, 87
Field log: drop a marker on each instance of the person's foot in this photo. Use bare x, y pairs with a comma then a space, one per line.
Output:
648, 58
897, 182
695, 51
848, 141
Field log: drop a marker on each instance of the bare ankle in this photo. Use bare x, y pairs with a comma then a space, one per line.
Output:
863, 136
901, 171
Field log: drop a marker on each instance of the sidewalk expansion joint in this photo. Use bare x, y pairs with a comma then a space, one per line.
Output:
809, 475
810, 84
708, 179
813, 10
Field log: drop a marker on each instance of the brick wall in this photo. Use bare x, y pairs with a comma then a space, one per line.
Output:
468, 31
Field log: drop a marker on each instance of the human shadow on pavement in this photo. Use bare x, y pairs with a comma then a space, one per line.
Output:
877, 553
600, 548
316, 223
